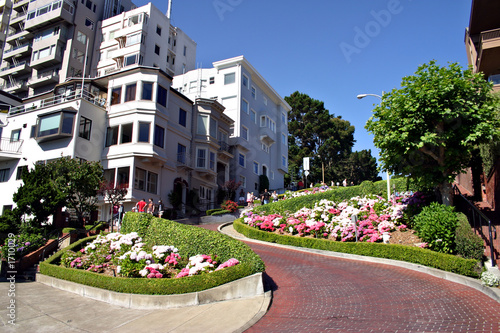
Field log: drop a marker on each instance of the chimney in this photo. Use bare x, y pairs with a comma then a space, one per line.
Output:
169, 10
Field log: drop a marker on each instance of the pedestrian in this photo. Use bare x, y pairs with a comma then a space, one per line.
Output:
241, 198
141, 205
151, 206
344, 182
121, 211
265, 197
250, 199
161, 208
274, 196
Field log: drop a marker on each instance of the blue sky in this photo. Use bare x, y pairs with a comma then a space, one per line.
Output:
331, 50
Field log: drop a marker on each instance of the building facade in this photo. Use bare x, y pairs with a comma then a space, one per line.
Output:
259, 137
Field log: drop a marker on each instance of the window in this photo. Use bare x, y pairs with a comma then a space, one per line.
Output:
265, 100
109, 175
15, 135
20, 170
213, 128
184, 52
132, 59
158, 30
254, 93
32, 134
116, 95
181, 153
253, 116
4, 175
272, 125
111, 136
201, 158
55, 124
283, 161
123, 176
157, 49
272, 174
126, 135
263, 121
143, 132
162, 96
85, 127
229, 78
81, 37
77, 54
112, 35
241, 160
243, 181
211, 80
182, 117
147, 91
152, 182
244, 106
284, 139
244, 132
211, 165
265, 147
130, 92
89, 4
245, 81
89, 23
202, 127
159, 136
140, 179
256, 168
133, 39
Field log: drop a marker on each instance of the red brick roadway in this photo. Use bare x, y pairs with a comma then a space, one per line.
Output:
315, 293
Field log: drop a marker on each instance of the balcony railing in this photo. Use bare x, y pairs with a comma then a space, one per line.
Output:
16, 48
59, 99
224, 146
10, 146
22, 63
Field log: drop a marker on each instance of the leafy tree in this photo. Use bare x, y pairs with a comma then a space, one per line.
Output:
113, 194
37, 197
428, 128
78, 182
314, 132
358, 167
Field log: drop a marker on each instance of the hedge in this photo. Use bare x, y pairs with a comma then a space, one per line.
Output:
189, 240
416, 255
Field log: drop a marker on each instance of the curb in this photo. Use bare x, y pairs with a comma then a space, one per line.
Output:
246, 287
493, 293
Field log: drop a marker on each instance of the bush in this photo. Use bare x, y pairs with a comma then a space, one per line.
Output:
220, 212
413, 254
229, 205
138, 222
436, 225
468, 244
367, 188
17, 246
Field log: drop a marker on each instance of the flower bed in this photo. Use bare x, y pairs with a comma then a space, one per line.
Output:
127, 256
332, 221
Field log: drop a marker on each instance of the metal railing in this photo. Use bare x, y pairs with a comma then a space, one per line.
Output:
477, 220
10, 146
59, 99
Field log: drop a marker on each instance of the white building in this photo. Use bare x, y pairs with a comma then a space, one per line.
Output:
260, 134
144, 36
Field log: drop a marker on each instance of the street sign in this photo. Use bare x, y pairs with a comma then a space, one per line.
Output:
306, 173
306, 163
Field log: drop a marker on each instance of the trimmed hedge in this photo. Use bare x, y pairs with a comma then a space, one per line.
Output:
189, 240
468, 244
416, 255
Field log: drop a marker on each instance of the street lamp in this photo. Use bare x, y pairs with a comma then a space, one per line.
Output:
361, 96
322, 170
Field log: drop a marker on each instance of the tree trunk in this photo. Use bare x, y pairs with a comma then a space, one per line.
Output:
446, 192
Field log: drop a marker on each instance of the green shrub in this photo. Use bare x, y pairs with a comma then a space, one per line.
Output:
468, 244
211, 211
68, 230
413, 254
138, 222
436, 225
367, 187
220, 212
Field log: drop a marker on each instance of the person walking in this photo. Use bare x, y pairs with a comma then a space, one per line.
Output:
141, 205
265, 197
250, 199
151, 207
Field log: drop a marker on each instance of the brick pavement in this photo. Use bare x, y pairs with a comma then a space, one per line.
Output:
314, 293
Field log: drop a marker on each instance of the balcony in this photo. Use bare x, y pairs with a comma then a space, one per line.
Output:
13, 36
266, 135
10, 149
19, 68
47, 61
48, 14
183, 161
224, 150
17, 51
16, 18
44, 78
15, 87
20, 3
488, 51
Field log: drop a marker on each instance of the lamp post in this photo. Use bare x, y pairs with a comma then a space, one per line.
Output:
322, 170
361, 96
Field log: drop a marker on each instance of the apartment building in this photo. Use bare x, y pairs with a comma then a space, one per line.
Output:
144, 36
482, 40
47, 41
5, 9
259, 136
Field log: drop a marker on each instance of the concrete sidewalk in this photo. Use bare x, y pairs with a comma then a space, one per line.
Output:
40, 308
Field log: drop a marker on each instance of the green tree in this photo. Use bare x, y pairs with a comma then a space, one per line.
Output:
78, 182
314, 132
428, 128
358, 167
